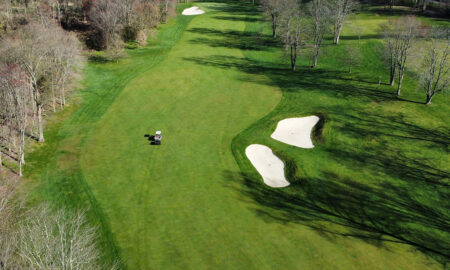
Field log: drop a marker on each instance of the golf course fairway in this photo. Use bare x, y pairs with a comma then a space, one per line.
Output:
177, 205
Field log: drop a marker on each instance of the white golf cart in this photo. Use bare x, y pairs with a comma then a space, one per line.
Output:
158, 137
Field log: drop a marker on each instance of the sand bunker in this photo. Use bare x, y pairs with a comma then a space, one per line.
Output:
192, 11
296, 131
267, 164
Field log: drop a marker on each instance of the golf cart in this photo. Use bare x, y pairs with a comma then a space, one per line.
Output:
158, 137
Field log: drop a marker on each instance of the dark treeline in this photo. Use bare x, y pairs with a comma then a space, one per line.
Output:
103, 23
440, 7
39, 64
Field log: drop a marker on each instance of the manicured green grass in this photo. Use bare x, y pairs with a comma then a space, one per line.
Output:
378, 175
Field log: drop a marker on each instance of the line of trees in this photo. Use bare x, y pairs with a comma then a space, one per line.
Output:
115, 21
105, 24
39, 65
306, 25
303, 27
435, 75
400, 35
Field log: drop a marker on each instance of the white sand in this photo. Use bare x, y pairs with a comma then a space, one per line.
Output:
296, 131
267, 164
192, 11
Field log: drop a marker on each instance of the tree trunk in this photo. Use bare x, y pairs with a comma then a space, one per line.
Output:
22, 145
53, 97
392, 75
428, 101
58, 10
63, 95
293, 57
424, 6
337, 35
21, 158
274, 26
400, 80
316, 57
40, 125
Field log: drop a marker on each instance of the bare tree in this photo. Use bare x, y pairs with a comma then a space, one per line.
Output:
399, 35
57, 240
340, 9
66, 62
42, 238
14, 87
273, 10
352, 57
142, 15
165, 5
10, 207
49, 56
407, 29
293, 29
319, 12
358, 30
147, 13
31, 51
392, 50
107, 17
115, 50
436, 71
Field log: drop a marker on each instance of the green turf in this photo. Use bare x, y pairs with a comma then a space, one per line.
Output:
213, 85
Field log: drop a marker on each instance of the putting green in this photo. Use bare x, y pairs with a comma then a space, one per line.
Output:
175, 206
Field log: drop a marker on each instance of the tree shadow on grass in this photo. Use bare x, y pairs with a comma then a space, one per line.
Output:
235, 8
376, 213
233, 39
385, 161
355, 37
237, 18
333, 83
365, 124
226, 44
